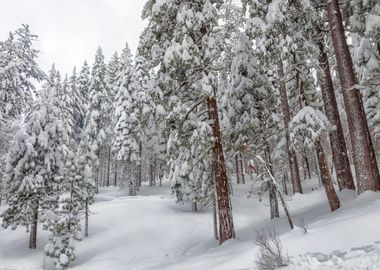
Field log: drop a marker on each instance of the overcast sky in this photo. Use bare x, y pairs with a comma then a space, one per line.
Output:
70, 31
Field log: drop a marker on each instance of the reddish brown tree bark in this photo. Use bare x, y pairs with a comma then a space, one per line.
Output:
338, 144
366, 170
326, 178
295, 175
226, 225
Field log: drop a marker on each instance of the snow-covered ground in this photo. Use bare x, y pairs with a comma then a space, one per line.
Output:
151, 232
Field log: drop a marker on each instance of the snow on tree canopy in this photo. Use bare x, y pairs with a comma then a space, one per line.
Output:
308, 126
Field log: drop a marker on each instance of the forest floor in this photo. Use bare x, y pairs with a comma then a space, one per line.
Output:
151, 231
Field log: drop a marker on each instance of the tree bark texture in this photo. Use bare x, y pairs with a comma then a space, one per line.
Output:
33, 230
86, 220
226, 225
295, 175
366, 169
332, 197
338, 144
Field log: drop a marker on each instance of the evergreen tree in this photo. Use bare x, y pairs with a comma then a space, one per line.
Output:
84, 90
366, 168
66, 101
308, 128
64, 223
96, 119
182, 42
34, 164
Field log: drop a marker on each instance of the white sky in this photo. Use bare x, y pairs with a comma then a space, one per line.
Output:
70, 31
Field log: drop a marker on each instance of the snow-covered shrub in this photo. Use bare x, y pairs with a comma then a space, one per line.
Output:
270, 255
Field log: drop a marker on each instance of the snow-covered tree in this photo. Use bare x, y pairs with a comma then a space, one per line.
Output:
98, 109
33, 168
64, 222
84, 91
182, 41
366, 168
308, 128
66, 102
128, 129
18, 70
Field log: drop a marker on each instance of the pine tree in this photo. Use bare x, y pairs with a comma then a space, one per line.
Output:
366, 168
66, 103
96, 119
267, 26
77, 105
64, 223
33, 167
185, 49
84, 90
128, 130
18, 70
308, 128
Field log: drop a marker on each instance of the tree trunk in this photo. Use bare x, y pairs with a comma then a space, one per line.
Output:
215, 217
273, 201
241, 168
326, 178
296, 181
286, 210
226, 225
237, 169
307, 167
86, 220
140, 165
272, 188
194, 207
115, 176
33, 230
366, 169
284, 187
108, 166
338, 144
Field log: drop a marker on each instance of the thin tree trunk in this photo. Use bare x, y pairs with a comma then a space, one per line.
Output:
140, 165
242, 168
286, 210
116, 168
366, 169
109, 167
86, 220
215, 217
33, 230
326, 178
284, 187
237, 169
338, 144
272, 188
274, 213
296, 181
226, 225
307, 167
194, 207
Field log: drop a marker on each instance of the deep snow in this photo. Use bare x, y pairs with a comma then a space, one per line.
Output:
150, 231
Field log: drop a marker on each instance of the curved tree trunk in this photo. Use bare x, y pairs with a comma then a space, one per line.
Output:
226, 225
338, 144
367, 172
295, 174
326, 178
